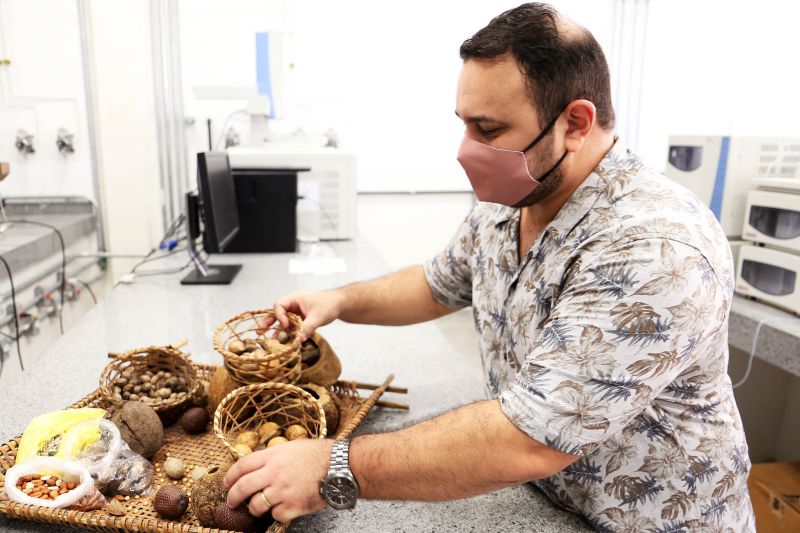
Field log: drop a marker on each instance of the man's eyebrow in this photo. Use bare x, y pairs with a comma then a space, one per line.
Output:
478, 118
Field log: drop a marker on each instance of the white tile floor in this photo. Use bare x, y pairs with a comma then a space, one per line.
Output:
407, 229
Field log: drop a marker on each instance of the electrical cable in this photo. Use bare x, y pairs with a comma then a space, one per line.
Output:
88, 288
753, 350
158, 258
63, 263
225, 125
16, 314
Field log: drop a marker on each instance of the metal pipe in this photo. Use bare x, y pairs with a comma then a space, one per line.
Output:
110, 255
55, 286
93, 144
55, 268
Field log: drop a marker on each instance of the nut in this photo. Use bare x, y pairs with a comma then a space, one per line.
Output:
116, 508
268, 430
174, 468
248, 438
198, 472
275, 441
164, 393
295, 432
243, 449
236, 346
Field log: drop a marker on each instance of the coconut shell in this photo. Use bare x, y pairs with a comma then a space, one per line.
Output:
323, 396
327, 369
220, 386
140, 427
208, 492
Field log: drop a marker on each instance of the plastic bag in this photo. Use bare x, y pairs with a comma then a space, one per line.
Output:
44, 433
65, 470
128, 474
116, 469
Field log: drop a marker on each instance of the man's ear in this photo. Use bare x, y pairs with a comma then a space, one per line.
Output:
581, 117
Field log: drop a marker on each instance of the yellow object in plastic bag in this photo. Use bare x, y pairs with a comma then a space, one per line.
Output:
44, 428
77, 438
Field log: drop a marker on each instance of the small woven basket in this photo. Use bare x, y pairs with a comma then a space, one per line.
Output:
155, 359
246, 408
272, 360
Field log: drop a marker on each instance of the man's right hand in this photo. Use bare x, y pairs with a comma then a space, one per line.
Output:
316, 308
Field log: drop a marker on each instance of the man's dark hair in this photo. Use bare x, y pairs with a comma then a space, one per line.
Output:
559, 67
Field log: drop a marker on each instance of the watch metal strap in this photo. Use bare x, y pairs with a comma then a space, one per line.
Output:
340, 457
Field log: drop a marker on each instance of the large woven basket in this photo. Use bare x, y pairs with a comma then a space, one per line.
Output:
246, 408
274, 362
203, 449
154, 359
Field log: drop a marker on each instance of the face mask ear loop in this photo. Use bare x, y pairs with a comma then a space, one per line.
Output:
545, 131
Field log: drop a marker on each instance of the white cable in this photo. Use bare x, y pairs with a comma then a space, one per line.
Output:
225, 125
753, 350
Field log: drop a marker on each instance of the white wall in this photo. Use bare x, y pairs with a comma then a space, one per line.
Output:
42, 91
382, 74
719, 67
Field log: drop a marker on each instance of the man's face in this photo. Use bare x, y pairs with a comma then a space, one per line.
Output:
494, 103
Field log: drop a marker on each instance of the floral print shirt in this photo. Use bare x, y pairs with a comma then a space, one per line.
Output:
608, 340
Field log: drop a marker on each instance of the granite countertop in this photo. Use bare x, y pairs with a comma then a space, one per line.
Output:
158, 310
778, 340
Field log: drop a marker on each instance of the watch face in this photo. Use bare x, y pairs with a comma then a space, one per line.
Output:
340, 492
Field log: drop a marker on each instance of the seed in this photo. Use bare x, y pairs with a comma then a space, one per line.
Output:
54, 494
71, 485
50, 482
119, 497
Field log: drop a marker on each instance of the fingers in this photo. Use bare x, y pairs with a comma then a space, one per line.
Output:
280, 315
258, 502
245, 487
243, 466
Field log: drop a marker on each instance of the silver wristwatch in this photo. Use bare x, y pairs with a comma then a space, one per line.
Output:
340, 488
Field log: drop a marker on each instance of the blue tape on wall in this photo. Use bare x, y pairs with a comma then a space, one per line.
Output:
263, 80
719, 181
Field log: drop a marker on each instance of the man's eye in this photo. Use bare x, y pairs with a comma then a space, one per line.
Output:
487, 132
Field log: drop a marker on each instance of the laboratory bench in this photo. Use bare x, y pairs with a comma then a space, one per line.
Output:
158, 310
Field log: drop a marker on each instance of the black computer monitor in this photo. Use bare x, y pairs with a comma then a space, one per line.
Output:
215, 204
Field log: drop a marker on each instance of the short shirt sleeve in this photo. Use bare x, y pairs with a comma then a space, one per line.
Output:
449, 273
630, 319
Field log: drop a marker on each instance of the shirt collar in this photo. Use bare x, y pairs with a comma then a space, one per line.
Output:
582, 199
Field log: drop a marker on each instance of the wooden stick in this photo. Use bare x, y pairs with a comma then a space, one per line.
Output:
369, 386
180, 344
392, 405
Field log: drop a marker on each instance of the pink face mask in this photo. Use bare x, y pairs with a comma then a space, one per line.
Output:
501, 176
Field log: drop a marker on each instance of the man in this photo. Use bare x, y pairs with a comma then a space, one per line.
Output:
600, 292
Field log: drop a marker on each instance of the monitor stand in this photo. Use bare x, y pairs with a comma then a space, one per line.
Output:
205, 274
215, 275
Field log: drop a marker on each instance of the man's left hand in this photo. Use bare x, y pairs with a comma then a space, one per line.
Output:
289, 476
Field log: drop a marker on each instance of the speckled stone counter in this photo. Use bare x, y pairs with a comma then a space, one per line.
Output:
778, 340
158, 310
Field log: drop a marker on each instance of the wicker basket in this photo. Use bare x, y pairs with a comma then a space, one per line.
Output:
325, 368
154, 359
246, 408
280, 364
203, 449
